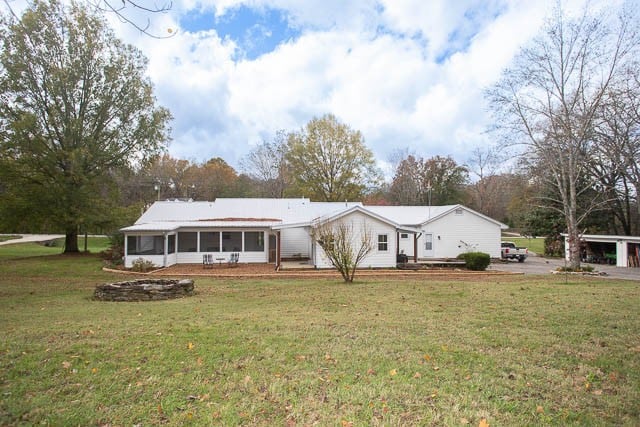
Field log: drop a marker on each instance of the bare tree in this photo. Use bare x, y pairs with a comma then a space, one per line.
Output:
437, 180
267, 164
345, 248
617, 163
549, 99
121, 9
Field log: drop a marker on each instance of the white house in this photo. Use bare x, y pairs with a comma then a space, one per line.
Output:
270, 230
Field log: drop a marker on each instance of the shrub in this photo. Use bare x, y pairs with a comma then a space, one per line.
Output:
115, 252
142, 265
476, 261
581, 269
554, 246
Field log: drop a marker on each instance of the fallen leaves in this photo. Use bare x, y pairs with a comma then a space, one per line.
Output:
483, 423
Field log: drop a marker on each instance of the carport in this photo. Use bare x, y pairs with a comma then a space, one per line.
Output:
623, 251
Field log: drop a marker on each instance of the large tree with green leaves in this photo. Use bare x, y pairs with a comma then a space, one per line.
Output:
329, 161
75, 105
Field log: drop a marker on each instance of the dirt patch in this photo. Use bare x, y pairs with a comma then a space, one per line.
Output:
268, 271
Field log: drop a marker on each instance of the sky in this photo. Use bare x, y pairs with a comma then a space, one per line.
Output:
408, 74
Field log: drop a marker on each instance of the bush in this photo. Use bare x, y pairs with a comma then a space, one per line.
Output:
476, 261
142, 265
115, 252
554, 246
581, 269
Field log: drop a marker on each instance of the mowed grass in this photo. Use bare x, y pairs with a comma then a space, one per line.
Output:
22, 250
511, 350
534, 244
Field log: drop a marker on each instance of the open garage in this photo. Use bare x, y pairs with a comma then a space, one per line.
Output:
621, 251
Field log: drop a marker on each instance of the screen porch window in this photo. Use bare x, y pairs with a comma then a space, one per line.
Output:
171, 244
253, 241
145, 245
383, 244
188, 241
232, 241
209, 241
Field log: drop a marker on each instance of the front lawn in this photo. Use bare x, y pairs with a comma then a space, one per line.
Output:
533, 244
510, 350
22, 250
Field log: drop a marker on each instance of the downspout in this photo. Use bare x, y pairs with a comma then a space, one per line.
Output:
278, 250
415, 247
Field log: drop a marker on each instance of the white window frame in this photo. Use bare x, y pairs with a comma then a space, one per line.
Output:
385, 242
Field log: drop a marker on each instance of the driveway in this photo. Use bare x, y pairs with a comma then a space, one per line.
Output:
540, 265
26, 238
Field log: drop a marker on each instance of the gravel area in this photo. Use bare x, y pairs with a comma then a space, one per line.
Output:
542, 265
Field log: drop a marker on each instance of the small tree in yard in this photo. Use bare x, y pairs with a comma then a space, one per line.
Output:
344, 248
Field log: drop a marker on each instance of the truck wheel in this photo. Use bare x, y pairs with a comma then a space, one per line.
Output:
521, 259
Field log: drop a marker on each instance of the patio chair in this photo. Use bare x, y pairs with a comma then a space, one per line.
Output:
233, 259
207, 261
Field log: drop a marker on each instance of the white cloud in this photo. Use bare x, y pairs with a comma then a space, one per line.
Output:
408, 74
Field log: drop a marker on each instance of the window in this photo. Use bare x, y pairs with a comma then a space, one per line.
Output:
188, 242
459, 211
404, 235
383, 244
210, 241
428, 242
145, 245
171, 244
231, 241
253, 241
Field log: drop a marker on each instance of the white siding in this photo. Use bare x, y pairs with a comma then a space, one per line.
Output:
406, 245
376, 258
295, 241
451, 230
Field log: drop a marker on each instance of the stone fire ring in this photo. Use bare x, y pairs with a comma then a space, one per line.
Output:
144, 290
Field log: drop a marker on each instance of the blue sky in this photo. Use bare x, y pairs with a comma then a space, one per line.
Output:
408, 74
256, 31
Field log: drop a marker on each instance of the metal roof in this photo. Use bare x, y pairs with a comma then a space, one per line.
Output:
277, 213
416, 216
410, 215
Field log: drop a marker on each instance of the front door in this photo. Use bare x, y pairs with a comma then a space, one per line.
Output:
272, 248
428, 244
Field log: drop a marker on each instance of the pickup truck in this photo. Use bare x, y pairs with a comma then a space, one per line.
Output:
511, 251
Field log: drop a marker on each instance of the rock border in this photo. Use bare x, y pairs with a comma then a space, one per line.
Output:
144, 290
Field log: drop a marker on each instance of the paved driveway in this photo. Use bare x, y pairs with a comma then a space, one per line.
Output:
32, 238
540, 265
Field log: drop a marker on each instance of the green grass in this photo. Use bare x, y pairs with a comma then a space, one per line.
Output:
534, 245
512, 350
9, 237
22, 250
